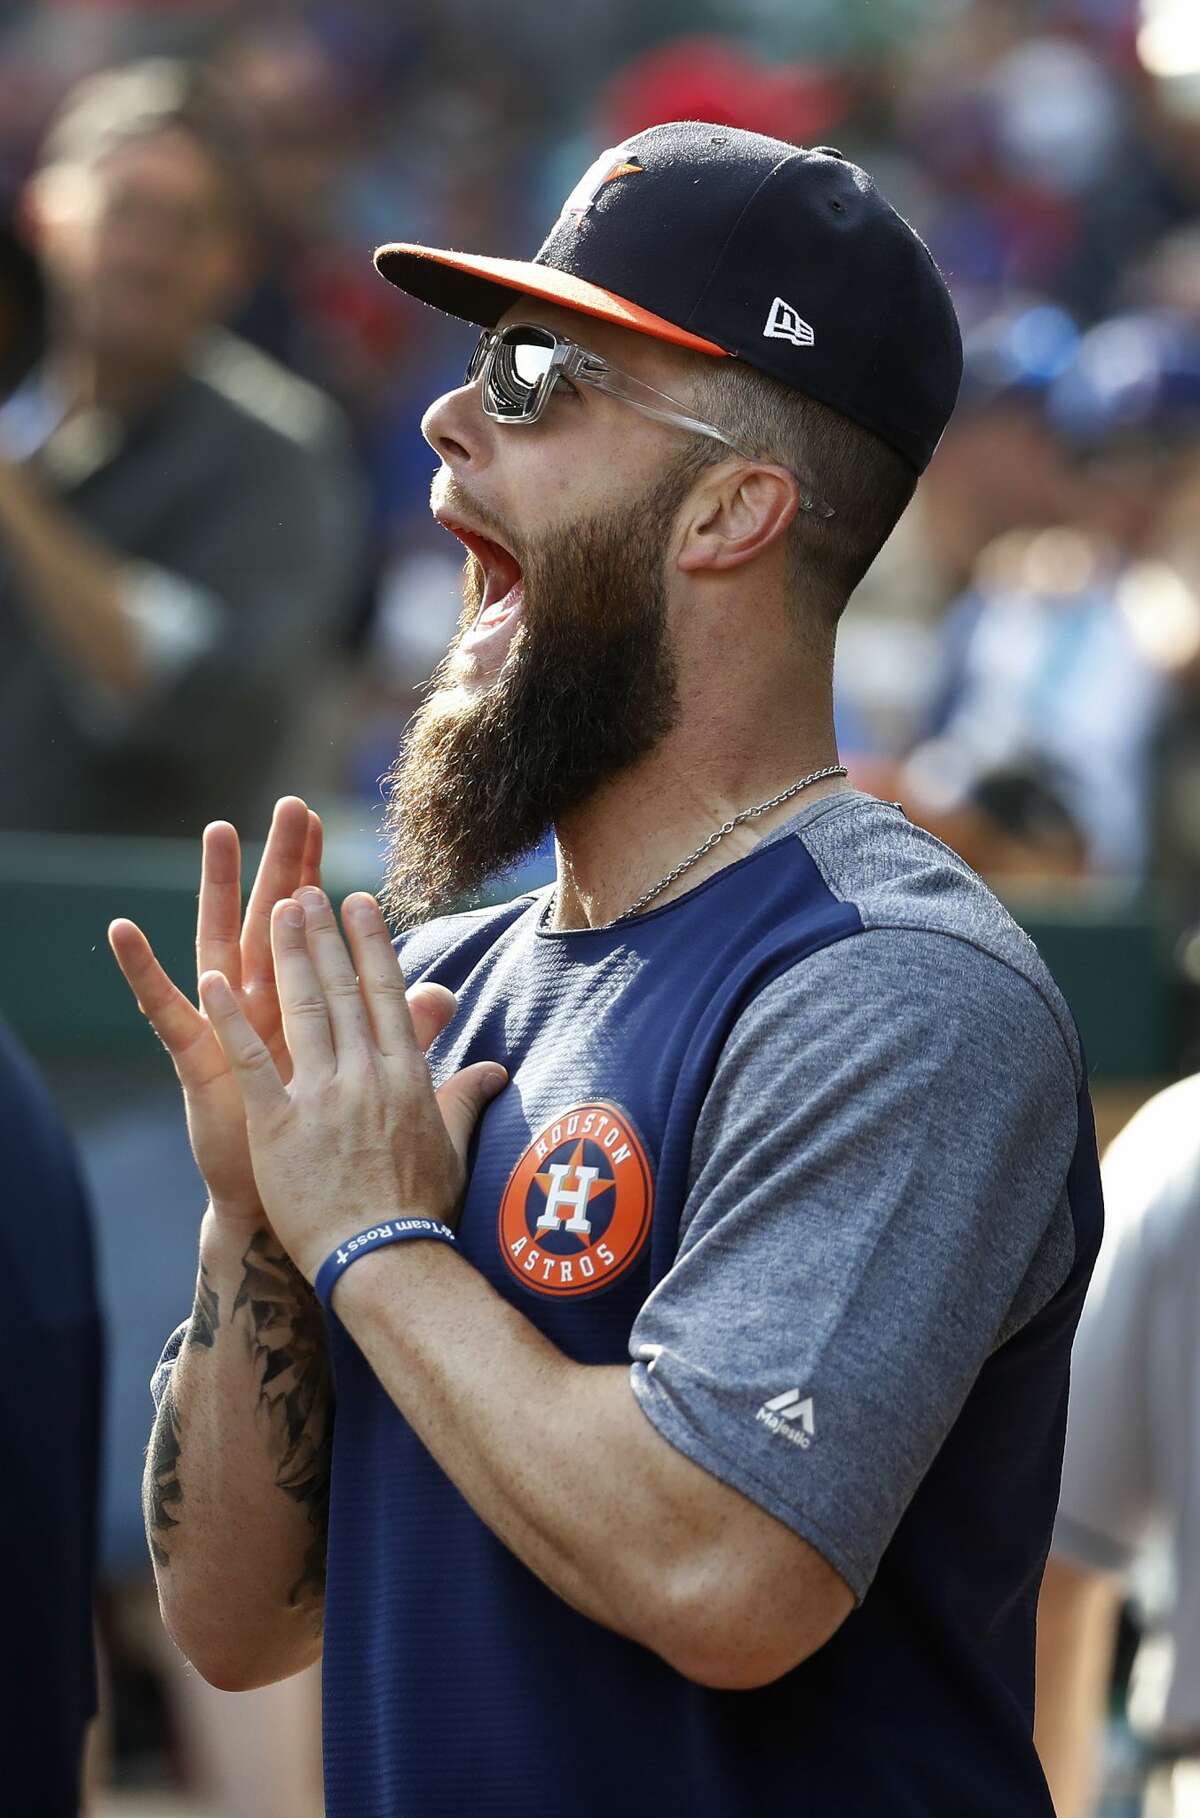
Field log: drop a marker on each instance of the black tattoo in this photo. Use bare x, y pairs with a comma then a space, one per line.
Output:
205, 1313
287, 1337
162, 1477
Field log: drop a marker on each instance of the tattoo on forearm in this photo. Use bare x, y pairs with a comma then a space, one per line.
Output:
287, 1336
205, 1313
162, 1477
162, 1484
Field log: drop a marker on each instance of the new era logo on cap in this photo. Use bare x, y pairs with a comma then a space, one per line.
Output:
787, 324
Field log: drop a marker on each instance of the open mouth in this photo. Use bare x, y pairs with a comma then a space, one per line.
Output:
488, 638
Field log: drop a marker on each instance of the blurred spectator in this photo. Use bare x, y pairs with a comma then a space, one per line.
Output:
1014, 824
1067, 649
999, 467
312, 305
50, 1390
178, 525
1130, 1476
1043, 669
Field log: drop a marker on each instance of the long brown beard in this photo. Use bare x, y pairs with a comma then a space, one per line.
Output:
587, 688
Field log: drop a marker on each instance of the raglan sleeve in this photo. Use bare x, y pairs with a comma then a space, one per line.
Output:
877, 1199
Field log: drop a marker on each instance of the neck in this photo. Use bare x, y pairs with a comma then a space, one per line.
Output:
647, 820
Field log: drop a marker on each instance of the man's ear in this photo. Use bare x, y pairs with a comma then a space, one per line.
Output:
736, 516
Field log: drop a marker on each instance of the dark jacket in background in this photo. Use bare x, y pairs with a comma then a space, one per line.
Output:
50, 1398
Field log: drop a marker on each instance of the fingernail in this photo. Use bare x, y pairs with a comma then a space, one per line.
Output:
292, 914
216, 986
311, 897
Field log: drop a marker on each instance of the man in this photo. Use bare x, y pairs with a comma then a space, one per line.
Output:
50, 1334
779, 1103
178, 526
1129, 1476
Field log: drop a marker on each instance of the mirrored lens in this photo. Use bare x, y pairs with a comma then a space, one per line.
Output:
520, 366
531, 362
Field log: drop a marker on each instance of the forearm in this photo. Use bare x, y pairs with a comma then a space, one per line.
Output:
70, 583
556, 1457
236, 1491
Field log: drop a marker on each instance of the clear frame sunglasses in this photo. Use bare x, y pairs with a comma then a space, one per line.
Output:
520, 365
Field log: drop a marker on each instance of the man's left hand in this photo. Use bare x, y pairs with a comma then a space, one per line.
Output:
359, 1136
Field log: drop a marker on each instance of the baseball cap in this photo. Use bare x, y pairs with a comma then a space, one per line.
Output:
735, 244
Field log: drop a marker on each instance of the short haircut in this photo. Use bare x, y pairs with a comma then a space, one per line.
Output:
138, 100
866, 481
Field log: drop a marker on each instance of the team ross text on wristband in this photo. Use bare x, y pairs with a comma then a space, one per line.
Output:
395, 1231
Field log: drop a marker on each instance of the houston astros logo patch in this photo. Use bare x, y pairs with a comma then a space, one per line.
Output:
576, 1210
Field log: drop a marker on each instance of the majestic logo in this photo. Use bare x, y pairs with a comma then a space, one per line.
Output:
576, 1210
786, 324
779, 1414
607, 168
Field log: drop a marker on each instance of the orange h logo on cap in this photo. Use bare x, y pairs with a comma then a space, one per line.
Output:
606, 169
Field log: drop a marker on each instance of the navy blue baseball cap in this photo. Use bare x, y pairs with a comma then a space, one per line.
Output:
734, 244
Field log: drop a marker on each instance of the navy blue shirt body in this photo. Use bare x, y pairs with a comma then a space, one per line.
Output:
888, 1375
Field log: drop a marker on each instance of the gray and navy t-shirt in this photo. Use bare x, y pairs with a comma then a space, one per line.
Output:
810, 1148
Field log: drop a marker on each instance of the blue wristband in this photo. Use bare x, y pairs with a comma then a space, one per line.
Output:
393, 1232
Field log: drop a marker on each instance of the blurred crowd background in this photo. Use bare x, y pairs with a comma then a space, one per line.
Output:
219, 578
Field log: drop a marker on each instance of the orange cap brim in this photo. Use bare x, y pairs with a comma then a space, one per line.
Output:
478, 289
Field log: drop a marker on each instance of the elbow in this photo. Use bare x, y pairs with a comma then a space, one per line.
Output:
227, 1672
244, 1664
730, 1647
734, 1664
740, 1637
239, 1677
225, 1676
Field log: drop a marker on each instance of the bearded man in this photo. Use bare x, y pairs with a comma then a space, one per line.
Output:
698, 1317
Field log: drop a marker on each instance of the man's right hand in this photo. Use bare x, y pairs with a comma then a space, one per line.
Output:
241, 949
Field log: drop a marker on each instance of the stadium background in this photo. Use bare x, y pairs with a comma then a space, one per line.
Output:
1022, 667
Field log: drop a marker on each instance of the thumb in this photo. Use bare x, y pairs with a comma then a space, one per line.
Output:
463, 1097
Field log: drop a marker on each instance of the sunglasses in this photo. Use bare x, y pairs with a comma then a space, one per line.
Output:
519, 367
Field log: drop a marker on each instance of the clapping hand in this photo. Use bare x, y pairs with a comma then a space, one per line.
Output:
240, 950
354, 1134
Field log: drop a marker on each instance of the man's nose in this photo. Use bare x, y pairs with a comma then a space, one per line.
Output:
457, 430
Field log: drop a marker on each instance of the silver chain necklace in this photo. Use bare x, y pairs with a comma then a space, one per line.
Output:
747, 814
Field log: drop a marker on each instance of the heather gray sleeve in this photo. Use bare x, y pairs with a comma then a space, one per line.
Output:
877, 1201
